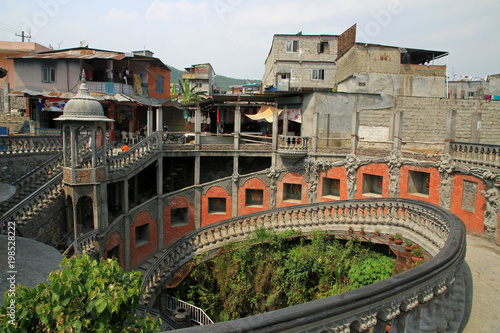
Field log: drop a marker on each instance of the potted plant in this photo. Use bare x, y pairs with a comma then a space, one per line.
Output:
391, 238
408, 245
417, 253
418, 263
351, 230
377, 232
398, 238
362, 231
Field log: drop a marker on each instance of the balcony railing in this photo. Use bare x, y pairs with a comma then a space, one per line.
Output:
478, 154
409, 300
117, 88
30, 144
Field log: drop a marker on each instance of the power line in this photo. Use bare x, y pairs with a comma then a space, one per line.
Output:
22, 35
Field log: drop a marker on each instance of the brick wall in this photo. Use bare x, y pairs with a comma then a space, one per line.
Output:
334, 173
291, 178
139, 253
116, 239
253, 184
471, 215
172, 233
434, 184
210, 217
376, 170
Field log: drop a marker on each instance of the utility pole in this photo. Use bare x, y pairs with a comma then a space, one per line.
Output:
22, 36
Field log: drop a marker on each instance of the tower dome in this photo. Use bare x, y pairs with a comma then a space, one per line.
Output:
83, 107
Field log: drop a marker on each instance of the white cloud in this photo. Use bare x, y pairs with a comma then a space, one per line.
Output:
118, 16
167, 10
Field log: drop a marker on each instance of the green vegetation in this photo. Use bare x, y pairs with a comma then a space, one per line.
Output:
83, 296
185, 94
280, 271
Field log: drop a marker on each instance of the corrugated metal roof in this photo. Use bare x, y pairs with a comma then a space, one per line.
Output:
79, 53
119, 98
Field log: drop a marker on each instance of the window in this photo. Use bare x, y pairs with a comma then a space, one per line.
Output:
292, 192
469, 196
318, 74
372, 185
254, 198
292, 46
331, 187
323, 47
142, 235
418, 182
114, 253
160, 83
471, 94
179, 216
48, 72
216, 205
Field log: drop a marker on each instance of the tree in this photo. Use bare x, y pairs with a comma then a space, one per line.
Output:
83, 296
185, 94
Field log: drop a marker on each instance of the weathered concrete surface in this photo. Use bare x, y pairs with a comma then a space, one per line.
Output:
34, 262
483, 258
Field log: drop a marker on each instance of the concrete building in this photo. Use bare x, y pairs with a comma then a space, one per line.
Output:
201, 76
397, 71
301, 62
475, 89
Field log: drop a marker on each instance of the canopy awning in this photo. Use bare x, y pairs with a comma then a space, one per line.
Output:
265, 113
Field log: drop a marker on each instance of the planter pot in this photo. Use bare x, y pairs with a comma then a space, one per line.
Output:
351, 232
408, 248
362, 233
399, 241
415, 258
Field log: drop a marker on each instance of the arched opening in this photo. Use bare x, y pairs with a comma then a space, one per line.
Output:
84, 222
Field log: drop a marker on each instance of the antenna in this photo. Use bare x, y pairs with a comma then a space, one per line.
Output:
22, 35
84, 43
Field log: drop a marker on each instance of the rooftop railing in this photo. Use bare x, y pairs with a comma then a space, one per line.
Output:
477, 154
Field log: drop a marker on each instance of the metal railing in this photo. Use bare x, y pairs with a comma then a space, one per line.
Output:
197, 315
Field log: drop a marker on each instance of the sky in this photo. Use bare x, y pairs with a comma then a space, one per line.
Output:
235, 36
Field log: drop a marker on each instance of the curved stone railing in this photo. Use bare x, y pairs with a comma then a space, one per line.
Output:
30, 144
480, 154
32, 205
430, 294
87, 243
143, 149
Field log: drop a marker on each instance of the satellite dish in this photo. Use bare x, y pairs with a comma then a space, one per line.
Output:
84, 43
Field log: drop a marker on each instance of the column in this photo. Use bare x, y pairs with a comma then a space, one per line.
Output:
159, 191
66, 147
314, 141
74, 147
197, 127
93, 147
235, 184
355, 127
398, 130
6, 99
159, 118
197, 193
327, 129
237, 127
112, 115
451, 121
285, 122
475, 136
274, 144
150, 121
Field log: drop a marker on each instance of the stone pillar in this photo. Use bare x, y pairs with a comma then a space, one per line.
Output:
126, 204
74, 147
197, 127
355, 127
285, 122
127, 251
159, 118
6, 99
237, 127
451, 121
197, 193
327, 130
274, 143
112, 115
398, 130
93, 147
315, 127
235, 184
66, 147
159, 191
150, 121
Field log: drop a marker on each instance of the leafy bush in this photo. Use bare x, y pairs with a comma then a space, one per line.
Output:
83, 296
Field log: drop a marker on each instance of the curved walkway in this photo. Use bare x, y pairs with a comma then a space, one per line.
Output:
483, 258
34, 262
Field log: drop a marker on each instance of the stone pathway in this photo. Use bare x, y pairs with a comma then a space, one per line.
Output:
483, 258
34, 262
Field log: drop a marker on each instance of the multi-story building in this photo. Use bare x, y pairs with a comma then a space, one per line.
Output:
301, 62
201, 76
127, 84
397, 71
475, 89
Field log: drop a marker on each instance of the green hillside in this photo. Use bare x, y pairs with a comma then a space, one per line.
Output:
222, 82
